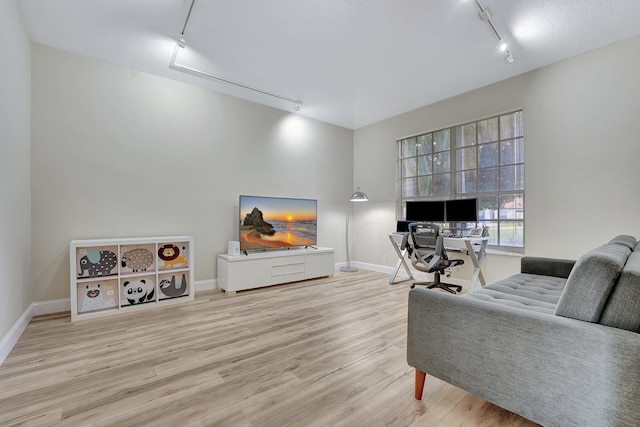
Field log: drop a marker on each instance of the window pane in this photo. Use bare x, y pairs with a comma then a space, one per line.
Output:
512, 206
487, 180
511, 125
512, 178
441, 140
425, 185
409, 167
493, 231
466, 135
442, 162
442, 183
425, 144
512, 152
425, 165
408, 147
409, 187
488, 155
466, 158
511, 233
488, 207
488, 130
467, 181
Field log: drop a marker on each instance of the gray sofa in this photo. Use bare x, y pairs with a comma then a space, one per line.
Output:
558, 343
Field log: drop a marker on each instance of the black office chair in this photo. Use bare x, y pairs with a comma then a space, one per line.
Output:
428, 255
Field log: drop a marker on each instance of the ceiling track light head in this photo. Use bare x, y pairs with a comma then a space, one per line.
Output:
182, 42
485, 14
508, 57
296, 106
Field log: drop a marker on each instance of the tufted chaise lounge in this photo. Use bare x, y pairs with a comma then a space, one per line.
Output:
558, 343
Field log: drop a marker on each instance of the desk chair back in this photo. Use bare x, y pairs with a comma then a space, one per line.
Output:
429, 255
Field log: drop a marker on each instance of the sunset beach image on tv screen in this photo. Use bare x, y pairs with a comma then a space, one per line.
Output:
275, 222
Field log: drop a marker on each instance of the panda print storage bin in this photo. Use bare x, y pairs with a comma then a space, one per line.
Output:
137, 290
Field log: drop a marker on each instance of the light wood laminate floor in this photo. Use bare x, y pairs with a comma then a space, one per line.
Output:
326, 352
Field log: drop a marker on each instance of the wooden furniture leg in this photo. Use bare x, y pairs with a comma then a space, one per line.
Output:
420, 377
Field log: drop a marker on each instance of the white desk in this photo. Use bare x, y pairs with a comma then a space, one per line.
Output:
474, 247
396, 241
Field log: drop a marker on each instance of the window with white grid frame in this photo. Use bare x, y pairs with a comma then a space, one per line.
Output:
483, 159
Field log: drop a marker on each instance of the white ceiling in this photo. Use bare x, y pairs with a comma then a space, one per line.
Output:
351, 62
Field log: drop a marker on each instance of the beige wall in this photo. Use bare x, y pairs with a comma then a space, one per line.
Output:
582, 149
120, 153
15, 170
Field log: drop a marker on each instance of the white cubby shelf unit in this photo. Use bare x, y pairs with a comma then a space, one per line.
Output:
110, 276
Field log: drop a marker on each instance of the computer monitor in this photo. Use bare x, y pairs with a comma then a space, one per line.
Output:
402, 226
426, 210
462, 210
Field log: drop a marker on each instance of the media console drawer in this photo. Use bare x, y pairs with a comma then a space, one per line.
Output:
279, 270
255, 270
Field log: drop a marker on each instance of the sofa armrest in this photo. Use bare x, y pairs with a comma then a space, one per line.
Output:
546, 266
553, 370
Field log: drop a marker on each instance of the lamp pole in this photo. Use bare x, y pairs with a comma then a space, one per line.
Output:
358, 196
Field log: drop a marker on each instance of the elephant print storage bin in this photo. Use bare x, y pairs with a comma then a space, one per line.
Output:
97, 261
110, 276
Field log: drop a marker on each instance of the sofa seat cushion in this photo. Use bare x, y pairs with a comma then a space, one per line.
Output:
532, 292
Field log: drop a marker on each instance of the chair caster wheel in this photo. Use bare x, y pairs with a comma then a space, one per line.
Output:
413, 285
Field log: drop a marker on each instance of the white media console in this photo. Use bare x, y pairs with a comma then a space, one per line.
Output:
259, 269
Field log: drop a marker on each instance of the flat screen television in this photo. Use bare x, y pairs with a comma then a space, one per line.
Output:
426, 210
277, 222
462, 210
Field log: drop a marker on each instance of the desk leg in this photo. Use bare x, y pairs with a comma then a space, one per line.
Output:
477, 260
401, 262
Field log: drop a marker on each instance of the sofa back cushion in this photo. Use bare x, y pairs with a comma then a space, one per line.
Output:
591, 281
623, 307
625, 240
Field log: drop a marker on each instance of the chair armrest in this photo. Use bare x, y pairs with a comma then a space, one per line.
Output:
553, 370
546, 266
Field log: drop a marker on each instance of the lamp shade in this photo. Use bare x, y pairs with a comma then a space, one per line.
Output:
359, 196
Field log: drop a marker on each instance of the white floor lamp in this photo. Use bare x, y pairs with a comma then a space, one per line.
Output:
358, 196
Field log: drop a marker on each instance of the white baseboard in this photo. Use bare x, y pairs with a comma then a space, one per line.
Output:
11, 338
205, 285
41, 308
